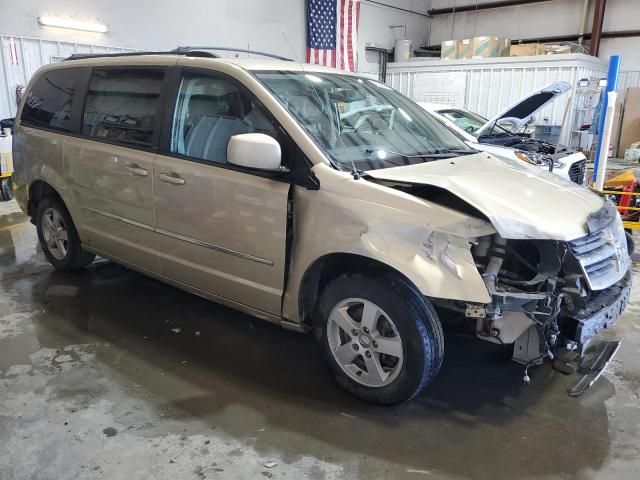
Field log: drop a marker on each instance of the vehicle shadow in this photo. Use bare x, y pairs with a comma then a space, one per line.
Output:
204, 361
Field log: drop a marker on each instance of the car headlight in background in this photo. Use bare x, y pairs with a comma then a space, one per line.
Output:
538, 159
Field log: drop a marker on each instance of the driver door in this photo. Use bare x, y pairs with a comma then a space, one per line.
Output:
221, 229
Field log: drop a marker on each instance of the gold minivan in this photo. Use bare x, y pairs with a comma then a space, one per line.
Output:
318, 200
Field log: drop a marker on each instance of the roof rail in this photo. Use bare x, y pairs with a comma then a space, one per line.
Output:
190, 53
188, 50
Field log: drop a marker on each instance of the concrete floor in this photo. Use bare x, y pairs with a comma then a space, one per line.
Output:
109, 374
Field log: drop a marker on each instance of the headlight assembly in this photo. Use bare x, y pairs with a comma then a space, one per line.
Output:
538, 159
531, 157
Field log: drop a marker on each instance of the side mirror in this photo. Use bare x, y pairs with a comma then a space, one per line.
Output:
255, 150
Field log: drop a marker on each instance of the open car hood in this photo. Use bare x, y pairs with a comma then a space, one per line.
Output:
520, 112
520, 200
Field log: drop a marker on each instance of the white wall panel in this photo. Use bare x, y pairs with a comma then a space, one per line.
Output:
31, 54
494, 84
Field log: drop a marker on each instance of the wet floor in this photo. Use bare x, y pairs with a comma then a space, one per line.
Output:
109, 374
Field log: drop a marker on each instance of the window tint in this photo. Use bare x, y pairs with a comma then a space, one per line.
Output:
51, 100
122, 105
211, 110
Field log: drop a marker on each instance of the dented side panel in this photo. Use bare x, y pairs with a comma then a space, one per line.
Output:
427, 243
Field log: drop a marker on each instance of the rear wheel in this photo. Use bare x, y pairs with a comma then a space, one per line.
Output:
58, 236
6, 188
381, 338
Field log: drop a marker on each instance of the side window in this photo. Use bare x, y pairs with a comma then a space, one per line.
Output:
122, 105
209, 111
50, 101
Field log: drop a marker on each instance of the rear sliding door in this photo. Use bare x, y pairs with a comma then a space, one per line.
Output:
110, 166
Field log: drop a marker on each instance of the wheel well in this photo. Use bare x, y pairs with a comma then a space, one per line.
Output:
37, 191
331, 266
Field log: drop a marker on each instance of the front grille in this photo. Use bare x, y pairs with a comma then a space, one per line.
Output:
603, 256
577, 171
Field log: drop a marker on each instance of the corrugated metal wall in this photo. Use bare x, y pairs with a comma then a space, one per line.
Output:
495, 83
20, 57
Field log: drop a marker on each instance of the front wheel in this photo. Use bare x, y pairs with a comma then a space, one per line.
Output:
381, 339
58, 236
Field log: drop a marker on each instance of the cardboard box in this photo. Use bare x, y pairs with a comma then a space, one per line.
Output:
615, 129
465, 48
487, 47
630, 127
449, 50
527, 50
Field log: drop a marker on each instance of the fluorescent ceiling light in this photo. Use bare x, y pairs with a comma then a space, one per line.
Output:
62, 22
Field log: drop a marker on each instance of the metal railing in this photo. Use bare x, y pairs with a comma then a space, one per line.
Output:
629, 220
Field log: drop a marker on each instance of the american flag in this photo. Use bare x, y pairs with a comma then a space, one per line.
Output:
332, 33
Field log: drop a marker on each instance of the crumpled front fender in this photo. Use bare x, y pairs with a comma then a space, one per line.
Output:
425, 242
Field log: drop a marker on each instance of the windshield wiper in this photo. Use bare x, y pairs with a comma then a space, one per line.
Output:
441, 153
458, 151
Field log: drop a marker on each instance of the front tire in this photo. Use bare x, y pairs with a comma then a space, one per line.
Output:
58, 236
381, 339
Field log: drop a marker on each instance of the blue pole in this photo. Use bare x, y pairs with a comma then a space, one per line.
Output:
612, 85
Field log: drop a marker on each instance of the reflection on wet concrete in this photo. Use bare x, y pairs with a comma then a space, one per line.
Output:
195, 390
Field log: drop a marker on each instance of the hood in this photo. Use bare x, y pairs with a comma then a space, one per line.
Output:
521, 201
520, 112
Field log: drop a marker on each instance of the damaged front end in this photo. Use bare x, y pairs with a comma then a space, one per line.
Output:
551, 298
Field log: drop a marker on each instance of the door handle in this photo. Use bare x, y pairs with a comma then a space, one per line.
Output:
172, 178
135, 169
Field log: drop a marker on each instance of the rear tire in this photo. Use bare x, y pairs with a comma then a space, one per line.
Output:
381, 339
58, 236
6, 188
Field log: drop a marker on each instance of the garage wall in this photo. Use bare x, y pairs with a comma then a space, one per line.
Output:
164, 24
557, 17
374, 27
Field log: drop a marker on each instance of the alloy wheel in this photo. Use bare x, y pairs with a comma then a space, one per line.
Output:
55, 234
365, 342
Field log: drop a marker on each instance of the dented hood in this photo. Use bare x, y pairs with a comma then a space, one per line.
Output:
520, 200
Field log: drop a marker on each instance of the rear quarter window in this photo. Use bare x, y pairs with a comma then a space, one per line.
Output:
122, 105
53, 100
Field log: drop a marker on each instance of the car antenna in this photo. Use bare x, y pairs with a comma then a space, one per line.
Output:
357, 174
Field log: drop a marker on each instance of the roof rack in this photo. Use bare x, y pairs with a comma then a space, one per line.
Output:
190, 53
190, 50
186, 51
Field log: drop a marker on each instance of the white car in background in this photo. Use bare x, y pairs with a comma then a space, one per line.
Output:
503, 136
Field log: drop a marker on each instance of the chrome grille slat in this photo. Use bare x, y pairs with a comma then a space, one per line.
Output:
602, 256
586, 245
602, 253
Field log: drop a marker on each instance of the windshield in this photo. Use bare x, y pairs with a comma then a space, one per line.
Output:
472, 122
360, 122
467, 121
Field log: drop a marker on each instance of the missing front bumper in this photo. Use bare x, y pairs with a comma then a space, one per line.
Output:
601, 312
595, 358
